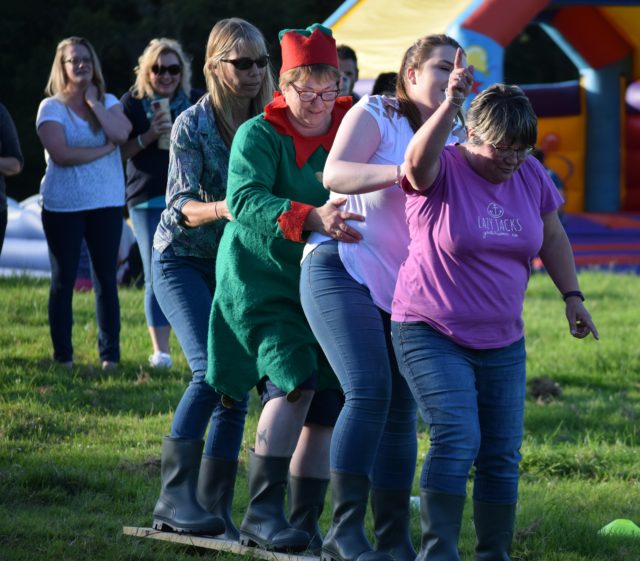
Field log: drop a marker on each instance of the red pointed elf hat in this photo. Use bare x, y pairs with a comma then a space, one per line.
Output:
302, 47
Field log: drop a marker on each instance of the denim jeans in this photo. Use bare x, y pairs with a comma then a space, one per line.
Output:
145, 221
473, 402
184, 288
102, 230
375, 434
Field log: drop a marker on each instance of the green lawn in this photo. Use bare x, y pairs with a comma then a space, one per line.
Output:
79, 450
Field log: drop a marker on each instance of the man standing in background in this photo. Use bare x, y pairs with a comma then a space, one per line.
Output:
349, 69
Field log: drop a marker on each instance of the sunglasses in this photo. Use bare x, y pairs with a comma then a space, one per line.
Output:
173, 69
245, 62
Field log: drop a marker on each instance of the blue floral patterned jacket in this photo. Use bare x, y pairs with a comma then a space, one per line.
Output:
198, 165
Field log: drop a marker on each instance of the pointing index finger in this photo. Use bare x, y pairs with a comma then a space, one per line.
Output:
457, 63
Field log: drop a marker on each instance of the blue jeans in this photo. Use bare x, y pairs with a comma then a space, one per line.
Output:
102, 230
375, 434
473, 402
184, 287
145, 221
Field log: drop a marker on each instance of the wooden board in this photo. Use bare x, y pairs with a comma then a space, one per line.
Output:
212, 543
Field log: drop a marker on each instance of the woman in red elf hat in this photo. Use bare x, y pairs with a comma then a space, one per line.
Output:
258, 334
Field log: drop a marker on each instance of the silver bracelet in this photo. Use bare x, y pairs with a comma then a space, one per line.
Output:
453, 100
139, 141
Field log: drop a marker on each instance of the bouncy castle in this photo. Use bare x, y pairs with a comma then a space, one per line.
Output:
589, 130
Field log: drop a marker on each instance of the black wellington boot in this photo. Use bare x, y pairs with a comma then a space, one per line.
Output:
346, 540
392, 522
264, 523
215, 491
440, 518
177, 508
306, 503
494, 529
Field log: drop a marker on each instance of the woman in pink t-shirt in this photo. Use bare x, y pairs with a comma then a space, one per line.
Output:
477, 214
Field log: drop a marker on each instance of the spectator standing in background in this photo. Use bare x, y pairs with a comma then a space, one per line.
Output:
348, 62
11, 163
81, 128
163, 73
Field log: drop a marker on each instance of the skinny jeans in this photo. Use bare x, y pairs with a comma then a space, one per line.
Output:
375, 434
64, 231
473, 402
184, 287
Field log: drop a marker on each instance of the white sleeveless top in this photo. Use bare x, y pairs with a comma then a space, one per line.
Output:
376, 259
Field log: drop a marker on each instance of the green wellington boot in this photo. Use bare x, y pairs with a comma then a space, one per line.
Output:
264, 523
494, 529
440, 518
392, 522
306, 503
346, 540
177, 508
215, 491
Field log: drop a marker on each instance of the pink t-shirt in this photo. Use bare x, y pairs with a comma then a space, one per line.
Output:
472, 242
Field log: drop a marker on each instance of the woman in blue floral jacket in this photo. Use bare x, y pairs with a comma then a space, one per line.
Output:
239, 84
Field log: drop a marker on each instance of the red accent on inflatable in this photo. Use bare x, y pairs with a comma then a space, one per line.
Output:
550, 142
503, 20
591, 34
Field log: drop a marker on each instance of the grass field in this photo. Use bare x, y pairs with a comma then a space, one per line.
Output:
79, 449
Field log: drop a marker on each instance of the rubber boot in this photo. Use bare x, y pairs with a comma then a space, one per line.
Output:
494, 529
392, 522
215, 491
264, 523
346, 540
440, 518
177, 508
306, 503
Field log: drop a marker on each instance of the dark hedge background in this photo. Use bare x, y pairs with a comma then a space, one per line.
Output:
120, 29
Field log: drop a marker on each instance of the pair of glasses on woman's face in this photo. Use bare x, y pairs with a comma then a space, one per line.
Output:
509, 151
79, 60
309, 96
172, 69
244, 63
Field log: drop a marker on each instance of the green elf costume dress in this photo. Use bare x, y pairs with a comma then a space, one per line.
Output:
257, 326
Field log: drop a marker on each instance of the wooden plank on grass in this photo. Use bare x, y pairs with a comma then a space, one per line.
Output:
212, 543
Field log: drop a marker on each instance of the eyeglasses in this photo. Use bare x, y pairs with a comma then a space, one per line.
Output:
308, 97
173, 69
244, 63
505, 151
78, 61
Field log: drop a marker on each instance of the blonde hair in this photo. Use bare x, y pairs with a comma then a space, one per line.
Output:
320, 72
226, 35
414, 57
157, 47
502, 114
57, 83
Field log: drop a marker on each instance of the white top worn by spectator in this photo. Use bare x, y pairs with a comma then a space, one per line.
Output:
96, 184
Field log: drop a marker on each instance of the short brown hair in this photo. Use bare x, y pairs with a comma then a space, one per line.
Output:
502, 114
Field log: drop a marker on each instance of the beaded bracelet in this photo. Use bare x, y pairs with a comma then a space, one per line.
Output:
572, 293
139, 141
453, 100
